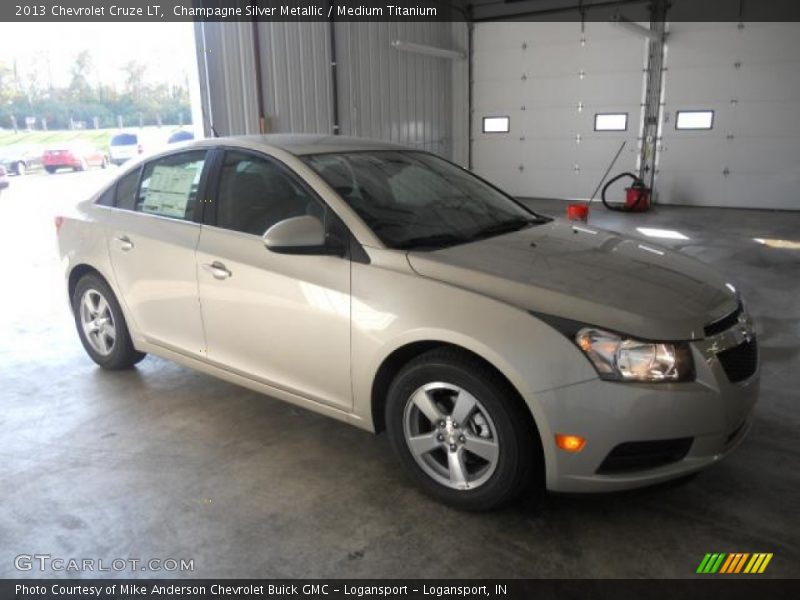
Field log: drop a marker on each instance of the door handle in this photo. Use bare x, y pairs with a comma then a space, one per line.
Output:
125, 243
217, 270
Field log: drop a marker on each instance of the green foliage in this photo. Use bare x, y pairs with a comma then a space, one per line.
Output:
139, 103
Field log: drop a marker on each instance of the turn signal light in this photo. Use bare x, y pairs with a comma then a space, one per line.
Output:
570, 443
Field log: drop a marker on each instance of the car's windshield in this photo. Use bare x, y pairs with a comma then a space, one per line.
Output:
416, 200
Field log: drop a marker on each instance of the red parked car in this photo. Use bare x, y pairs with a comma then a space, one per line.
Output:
77, 156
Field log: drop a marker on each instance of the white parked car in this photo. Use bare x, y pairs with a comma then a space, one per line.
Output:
393, 290
125, 146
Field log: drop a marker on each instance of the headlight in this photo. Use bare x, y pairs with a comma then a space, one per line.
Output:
625, 359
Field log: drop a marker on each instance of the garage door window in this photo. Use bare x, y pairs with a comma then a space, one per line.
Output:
496, 124
611, 122
694, 120
255, 193
169, 185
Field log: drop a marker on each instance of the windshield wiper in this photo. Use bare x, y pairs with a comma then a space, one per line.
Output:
507, 227
439, 240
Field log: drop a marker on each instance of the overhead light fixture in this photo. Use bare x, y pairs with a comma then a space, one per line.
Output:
635, 28
415, 48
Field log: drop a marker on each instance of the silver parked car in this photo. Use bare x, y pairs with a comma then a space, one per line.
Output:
391, 289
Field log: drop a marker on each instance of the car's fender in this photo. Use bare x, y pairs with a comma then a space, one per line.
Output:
393, 307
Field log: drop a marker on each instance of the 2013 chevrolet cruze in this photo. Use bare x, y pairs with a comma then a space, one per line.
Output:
393, 290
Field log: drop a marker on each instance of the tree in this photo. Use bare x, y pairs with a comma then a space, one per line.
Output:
81, 69
6, 84
134, 79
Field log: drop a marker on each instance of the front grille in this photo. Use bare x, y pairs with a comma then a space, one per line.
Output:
740, 362
640, 456
724, 323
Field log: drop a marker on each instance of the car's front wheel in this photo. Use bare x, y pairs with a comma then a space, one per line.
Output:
101, 325
19, 168
461, 432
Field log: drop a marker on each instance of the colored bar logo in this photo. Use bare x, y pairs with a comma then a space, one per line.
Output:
734, 563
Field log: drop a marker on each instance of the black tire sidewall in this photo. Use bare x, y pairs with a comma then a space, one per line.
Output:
517, 450
123, 354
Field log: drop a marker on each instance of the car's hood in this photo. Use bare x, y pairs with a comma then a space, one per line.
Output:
588, 275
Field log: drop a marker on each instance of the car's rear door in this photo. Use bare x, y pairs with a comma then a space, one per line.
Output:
153, 235
278, 318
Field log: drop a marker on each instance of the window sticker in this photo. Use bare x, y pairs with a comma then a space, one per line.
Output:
169, 191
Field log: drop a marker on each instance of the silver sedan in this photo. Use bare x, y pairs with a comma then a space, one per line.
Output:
501, 351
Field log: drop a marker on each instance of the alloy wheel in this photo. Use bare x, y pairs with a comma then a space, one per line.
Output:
451, 435
97, 322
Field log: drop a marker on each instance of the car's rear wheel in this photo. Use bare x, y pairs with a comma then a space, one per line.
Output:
101, 325
19, 168
461, 432
50, 170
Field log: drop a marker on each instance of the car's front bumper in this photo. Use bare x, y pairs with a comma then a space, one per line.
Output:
713, 413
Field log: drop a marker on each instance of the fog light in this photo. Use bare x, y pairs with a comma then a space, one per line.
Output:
570, 443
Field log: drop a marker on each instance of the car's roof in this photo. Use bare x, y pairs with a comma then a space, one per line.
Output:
308, 143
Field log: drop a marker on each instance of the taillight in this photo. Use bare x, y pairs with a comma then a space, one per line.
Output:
139, 148
59, 222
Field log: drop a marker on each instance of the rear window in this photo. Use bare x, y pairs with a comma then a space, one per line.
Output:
124, 139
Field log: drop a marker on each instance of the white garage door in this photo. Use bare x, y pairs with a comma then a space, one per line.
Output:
550, 80
749, 76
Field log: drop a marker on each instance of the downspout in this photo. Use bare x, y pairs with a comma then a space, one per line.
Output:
262, 121
334, 77
470, 104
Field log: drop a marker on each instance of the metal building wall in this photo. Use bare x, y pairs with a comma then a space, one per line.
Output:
381, 92
227, 70
296, 77
392, 95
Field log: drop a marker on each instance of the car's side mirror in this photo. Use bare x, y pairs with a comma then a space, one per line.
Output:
302, 235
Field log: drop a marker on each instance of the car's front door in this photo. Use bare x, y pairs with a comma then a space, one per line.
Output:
152, 240
282, 319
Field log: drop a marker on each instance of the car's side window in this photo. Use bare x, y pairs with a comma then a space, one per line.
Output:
255, 193
126, 190
169, 185
107, 197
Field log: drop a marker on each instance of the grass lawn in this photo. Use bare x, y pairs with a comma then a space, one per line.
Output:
98, 137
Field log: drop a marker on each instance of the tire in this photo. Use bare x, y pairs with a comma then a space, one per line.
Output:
104, 164
50, 170
498, 426
96, 308
19, 168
